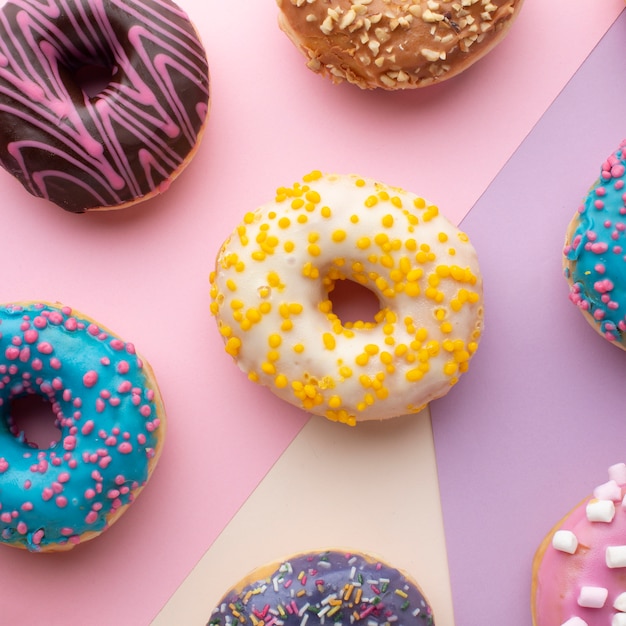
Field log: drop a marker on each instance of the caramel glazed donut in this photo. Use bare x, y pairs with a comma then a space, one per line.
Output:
270, 295
579, 570
108, 409
399, 44
126, 143
333, 586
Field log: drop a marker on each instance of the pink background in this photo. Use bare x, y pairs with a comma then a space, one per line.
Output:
144, 272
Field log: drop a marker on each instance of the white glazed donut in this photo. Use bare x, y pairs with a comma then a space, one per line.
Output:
270, 295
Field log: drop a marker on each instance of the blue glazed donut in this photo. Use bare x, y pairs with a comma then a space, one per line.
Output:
110, 414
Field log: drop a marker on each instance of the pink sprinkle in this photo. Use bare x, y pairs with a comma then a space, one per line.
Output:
69, 443
11, 353
61, 501
37, 537
47, 493
45, 348
124, 387
145, 410
117, 344
63, 477
100, 406
89, 494
92, 329
66, 532
40, 322
71, 324
88, 427
91, 517
125, 448
31, 336
27, 506
22, 528
4, 465
90, 378
599, 247
123, 367
55, 318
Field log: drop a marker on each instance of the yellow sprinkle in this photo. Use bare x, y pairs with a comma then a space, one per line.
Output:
326, 212
312, 176
414, 375
299, 348
232, 346
284, 222
371, 201
329, 341
334, 402
450, 368
281, 381
388, 221
248, 218
339, 235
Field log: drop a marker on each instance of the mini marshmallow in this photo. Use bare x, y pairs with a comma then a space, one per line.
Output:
601, 511
575, 621
616, 556
617, 473
620, 602
608, 491
565, 541
592, 597
619, 619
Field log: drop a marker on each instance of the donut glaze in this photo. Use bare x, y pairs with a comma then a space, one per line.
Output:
594, 256
110, 415
579, 571
395, 45
333, 587
271, 297
122, 145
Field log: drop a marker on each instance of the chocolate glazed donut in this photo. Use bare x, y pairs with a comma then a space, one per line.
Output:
127, 142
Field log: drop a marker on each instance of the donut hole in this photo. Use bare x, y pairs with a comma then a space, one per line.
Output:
353, 302
92, 79
32, 420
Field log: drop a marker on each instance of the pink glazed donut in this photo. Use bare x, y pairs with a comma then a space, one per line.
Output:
127, 142
579, 570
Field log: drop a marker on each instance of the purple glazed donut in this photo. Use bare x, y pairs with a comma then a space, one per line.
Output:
127, 142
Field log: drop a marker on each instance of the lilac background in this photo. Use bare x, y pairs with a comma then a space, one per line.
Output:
533, 426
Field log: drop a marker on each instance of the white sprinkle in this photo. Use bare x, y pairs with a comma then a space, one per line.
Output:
601, 511
593, 597
616, 556
617, 473
608, 491
620, 602
575, 621
619, 619
565, 541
